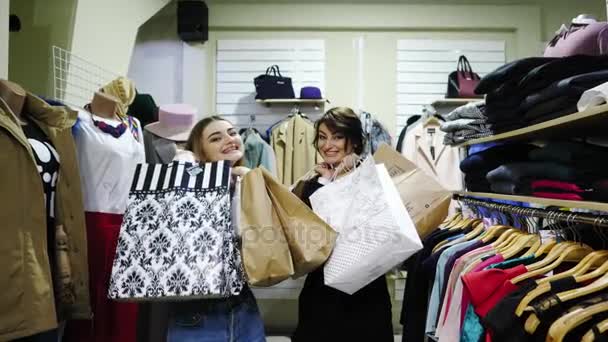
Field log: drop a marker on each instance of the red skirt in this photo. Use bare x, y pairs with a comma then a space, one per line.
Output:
112, 321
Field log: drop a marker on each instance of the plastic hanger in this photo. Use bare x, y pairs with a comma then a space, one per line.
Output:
544, 286
602, 327
568, 322
571, 253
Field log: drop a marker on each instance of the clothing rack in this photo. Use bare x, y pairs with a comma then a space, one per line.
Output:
573, 217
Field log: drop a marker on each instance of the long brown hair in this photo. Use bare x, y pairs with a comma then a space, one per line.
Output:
194, 143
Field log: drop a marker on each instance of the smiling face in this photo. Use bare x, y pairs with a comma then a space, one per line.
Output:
221, 141
333, 146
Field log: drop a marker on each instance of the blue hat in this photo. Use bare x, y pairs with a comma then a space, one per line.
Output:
310, 93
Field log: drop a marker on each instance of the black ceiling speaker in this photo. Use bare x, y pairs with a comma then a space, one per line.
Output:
14, 23
192, 21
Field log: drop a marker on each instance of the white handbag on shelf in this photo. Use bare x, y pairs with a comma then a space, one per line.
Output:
375, 231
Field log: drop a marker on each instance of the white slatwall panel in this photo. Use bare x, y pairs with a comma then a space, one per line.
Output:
240, 61
423, 66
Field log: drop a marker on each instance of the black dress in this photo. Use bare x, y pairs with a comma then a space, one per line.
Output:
327, 314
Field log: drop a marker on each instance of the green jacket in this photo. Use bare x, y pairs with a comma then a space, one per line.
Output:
27, 302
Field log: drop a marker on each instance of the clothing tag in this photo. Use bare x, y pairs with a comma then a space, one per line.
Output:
431, 140
546, 235
194, 170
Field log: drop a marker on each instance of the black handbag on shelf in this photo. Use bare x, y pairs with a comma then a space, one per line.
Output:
273, 86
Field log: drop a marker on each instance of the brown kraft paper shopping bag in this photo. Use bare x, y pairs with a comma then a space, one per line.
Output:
266, 255
310, 239
425, 199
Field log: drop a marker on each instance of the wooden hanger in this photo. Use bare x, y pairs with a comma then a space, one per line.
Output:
535, 247
602, 327
447, 242
512, 241
478, 229
571, 253
451, 220
545, 248
544, 286
463, 224
593, 259
598, 272
560, 328
508, 241
455, 220
551, 256
14, 96
431, 121
530, 241
494, 232
598, 285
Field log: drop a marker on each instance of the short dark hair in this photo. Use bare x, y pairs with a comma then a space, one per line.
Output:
343, 120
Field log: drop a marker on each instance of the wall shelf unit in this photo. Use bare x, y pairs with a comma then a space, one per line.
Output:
312, 102
587, 123
453, 102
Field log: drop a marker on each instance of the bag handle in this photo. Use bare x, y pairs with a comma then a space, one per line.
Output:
277, 69
466, 68
273, 69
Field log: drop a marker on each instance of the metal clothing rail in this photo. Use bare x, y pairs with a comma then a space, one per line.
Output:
558, 215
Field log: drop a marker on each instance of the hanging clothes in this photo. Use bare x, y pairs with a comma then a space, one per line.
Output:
29, 291
375, 133
158, 150
107, 158
528, 289
424, 146
258, 152
292, 142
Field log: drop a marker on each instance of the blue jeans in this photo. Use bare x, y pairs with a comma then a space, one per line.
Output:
235, 319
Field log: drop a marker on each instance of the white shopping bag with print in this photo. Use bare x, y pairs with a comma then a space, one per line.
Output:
376, 233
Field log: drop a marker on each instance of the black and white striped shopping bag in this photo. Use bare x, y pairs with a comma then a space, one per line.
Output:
177, 240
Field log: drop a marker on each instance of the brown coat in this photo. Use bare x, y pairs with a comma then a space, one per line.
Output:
27, 302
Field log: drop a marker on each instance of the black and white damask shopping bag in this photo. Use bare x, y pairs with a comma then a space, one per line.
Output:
177, 240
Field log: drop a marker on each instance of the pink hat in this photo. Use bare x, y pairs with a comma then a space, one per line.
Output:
175, 121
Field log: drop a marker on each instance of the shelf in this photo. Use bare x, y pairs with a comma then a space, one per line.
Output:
269, 102
541, 201
453, 102
587, 123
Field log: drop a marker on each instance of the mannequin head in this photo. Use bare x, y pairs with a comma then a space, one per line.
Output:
104, 105
215, 138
